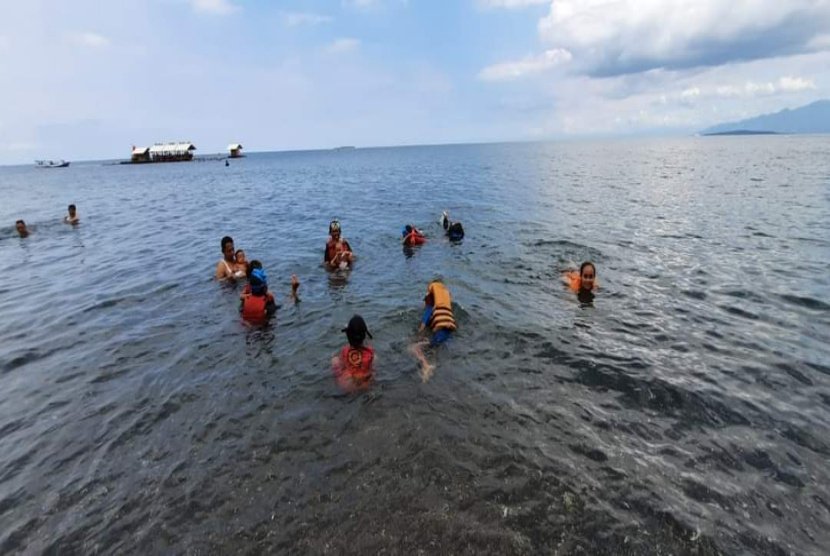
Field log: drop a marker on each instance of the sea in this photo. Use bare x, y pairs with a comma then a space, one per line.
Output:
685, 410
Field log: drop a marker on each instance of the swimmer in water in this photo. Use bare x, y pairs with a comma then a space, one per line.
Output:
410, 235
257, 304
72, 217
338, 251
226, 267
241, 263
20, 226
584, 281
439, 319
353, 367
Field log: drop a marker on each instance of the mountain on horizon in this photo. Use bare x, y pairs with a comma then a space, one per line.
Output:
812, 118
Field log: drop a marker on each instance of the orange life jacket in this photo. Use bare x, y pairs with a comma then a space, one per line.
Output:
355, 367
253, 308
441, 307
414, 238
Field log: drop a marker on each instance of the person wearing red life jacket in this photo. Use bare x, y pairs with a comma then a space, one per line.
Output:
353, 366
410, 235
257, 303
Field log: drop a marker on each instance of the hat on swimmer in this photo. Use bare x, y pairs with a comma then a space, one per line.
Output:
258, 281
356, 331
334, 226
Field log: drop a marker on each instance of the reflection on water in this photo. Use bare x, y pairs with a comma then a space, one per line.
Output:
682, 408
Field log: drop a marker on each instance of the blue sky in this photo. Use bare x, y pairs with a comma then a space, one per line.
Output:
88, 79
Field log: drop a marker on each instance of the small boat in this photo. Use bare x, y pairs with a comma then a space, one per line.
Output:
51, 163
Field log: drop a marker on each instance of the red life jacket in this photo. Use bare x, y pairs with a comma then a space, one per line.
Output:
355, 369
414, 238
253, 308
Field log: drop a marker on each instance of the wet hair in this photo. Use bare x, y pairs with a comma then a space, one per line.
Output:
356, 331
408, 229
334, 226
71, 207
226, 240
252, 266
587, 263
19, 222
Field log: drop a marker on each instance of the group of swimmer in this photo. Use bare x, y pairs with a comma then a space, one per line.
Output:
353, 365
71, 218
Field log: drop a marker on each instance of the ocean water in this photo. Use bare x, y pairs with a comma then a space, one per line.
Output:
685, 411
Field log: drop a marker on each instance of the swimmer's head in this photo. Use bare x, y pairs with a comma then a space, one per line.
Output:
334, 228
587, 275
356, 331
257, 278
240, 256
20, 226
72, 210
227, 247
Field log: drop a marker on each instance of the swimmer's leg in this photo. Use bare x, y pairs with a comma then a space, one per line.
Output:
417, 350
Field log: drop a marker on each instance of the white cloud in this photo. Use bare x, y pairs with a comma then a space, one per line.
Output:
795, 84
509, 4
218, 7
296, 19
612, 37
91, 40
343, 45
749, 89
530, 65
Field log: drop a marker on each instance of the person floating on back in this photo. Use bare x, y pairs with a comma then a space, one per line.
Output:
410, 235
583, 282
454, 230
353, 367
20, 226
338, 253
438, 317
72, 217
257, 303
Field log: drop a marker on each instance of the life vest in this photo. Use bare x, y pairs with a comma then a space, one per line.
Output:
254, 308
575, 281
355, 368
414, 238
441, 307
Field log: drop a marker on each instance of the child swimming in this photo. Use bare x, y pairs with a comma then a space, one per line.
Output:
439, 318
353, 366
257, 303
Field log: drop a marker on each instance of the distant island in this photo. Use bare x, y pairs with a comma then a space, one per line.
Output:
741, 132
812, 118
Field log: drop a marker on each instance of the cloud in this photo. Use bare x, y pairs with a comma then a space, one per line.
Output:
217, 7
509, 4
297, 19
91, 40
614, 37
343, 45
749, 89
530, 65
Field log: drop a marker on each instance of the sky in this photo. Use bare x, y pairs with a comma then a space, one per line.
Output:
88, 79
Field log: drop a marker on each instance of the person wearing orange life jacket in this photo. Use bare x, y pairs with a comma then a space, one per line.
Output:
257, 303
410, 235
353, 366
583, 283
438, 317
